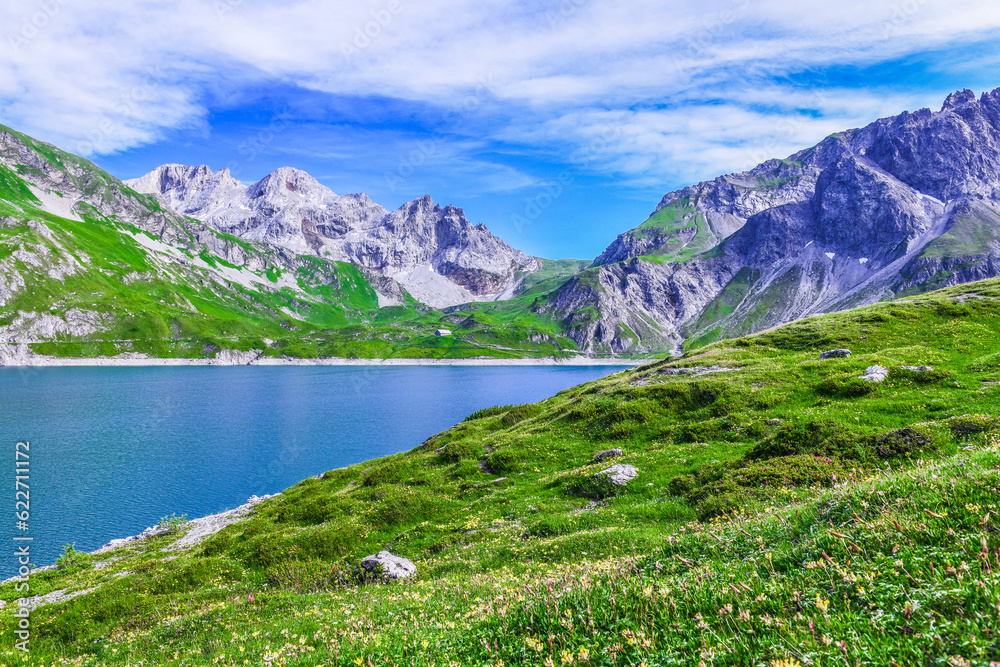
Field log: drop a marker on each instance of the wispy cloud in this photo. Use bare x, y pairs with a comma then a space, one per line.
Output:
690, 89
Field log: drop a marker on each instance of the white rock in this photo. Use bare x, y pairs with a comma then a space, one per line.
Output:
619, 474
875, 374
389, 566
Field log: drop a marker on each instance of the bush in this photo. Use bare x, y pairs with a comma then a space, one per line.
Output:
172, 523
306, 576
700, 431
586, 485
817, 437
388, 473
790, 472
552, 526
922, 377
759, 481
968, 425
953, 310
328, 542
519, 413
584, 412
505, 461
902, 442
72, 558
449, 541
682, 485
618, 418
846, 385
460, 451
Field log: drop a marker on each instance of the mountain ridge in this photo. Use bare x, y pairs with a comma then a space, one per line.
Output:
862, 216
434, 252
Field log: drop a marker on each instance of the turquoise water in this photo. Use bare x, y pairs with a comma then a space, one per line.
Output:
115, 449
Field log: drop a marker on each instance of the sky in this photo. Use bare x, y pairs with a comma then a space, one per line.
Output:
559, 124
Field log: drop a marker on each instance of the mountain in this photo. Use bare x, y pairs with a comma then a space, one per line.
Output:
89, 267
434, 252
904, 205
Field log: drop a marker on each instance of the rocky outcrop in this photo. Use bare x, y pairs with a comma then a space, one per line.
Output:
636, 305
434, 252
194, 531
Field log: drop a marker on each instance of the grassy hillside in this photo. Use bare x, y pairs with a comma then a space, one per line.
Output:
785, 513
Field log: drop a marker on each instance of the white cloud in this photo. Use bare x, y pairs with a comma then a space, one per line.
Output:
690, 88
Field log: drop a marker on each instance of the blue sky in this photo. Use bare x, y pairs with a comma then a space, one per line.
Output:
558, 124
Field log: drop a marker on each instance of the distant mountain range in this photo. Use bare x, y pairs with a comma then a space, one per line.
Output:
192, 263
434, 253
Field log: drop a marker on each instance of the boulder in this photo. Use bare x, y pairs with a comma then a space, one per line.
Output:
619, 474
875, 374
829, 354
607, 454
388, 566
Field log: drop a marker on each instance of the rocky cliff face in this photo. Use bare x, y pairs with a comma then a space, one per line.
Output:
904, 205
433, 251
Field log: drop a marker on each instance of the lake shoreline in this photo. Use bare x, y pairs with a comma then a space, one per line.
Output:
241, 360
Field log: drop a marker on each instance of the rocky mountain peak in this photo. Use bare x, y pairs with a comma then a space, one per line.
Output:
187, 189
957, 99
285, 180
